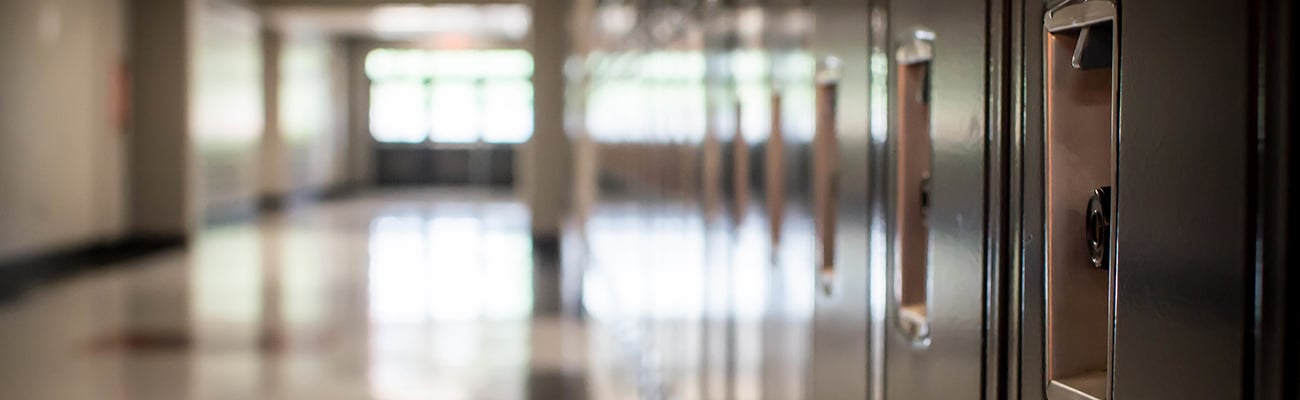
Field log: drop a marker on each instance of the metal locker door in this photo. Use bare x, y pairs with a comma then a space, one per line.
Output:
936, 320
1027, 364
1162, 308
1182, 303
839, 367
1277, 356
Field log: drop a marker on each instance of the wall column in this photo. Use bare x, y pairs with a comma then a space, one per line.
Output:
160, 156
545, 162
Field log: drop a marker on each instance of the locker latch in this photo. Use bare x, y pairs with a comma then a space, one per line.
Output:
1095, 22
1094, 47
1098, 227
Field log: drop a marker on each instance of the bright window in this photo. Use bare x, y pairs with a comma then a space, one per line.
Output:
397, 112
513, 101
628, 92
455, 108
465, 96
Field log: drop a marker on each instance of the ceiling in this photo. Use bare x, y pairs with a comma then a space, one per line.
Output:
450, 23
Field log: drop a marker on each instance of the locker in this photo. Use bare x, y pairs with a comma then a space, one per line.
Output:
775, 162
721, 113
1205, 275
1079, 142
1137, 232
939, 274
842, 335
1021, 199
1277, 361
912, 166
788, 165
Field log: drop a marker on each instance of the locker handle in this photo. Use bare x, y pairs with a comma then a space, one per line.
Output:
918, 49
910, 268
826, 174
1081, 39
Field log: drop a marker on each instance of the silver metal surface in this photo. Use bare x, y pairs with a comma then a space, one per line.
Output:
1080, 142
1028, 308
917, 50
841, 326
1074, 15
913, 165
1084, 387
951, 366
1183, 303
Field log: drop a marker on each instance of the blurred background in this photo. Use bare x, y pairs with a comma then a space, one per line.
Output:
349, 199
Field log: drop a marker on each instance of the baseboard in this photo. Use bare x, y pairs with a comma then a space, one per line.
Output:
17, 275
546, 245
272, 203
229, 215
269, 203
338, 192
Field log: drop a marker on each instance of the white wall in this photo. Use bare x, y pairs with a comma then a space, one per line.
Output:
62, 173
226, 114
305, 147
88, 155
310, 68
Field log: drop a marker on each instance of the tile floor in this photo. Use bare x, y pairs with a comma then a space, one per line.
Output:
430, 295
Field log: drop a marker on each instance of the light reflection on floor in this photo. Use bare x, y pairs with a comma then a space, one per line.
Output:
430, 295
699, 308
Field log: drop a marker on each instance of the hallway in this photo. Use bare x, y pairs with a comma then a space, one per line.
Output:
430, 295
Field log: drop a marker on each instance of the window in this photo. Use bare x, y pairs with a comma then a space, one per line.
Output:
397, 111
627, 92
455, 106
463, 96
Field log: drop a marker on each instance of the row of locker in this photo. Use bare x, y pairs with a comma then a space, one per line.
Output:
1080, 199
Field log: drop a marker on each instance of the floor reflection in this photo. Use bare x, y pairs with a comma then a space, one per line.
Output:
454, 263
698, 310
450, 297
431, 295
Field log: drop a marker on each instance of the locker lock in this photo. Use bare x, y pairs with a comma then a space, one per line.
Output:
925, 198
1098, 227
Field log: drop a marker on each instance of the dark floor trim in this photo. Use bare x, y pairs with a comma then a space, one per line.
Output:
18, 275
279, 202
229, 215
546, 245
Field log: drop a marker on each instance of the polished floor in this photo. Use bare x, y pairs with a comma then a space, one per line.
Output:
431, 295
